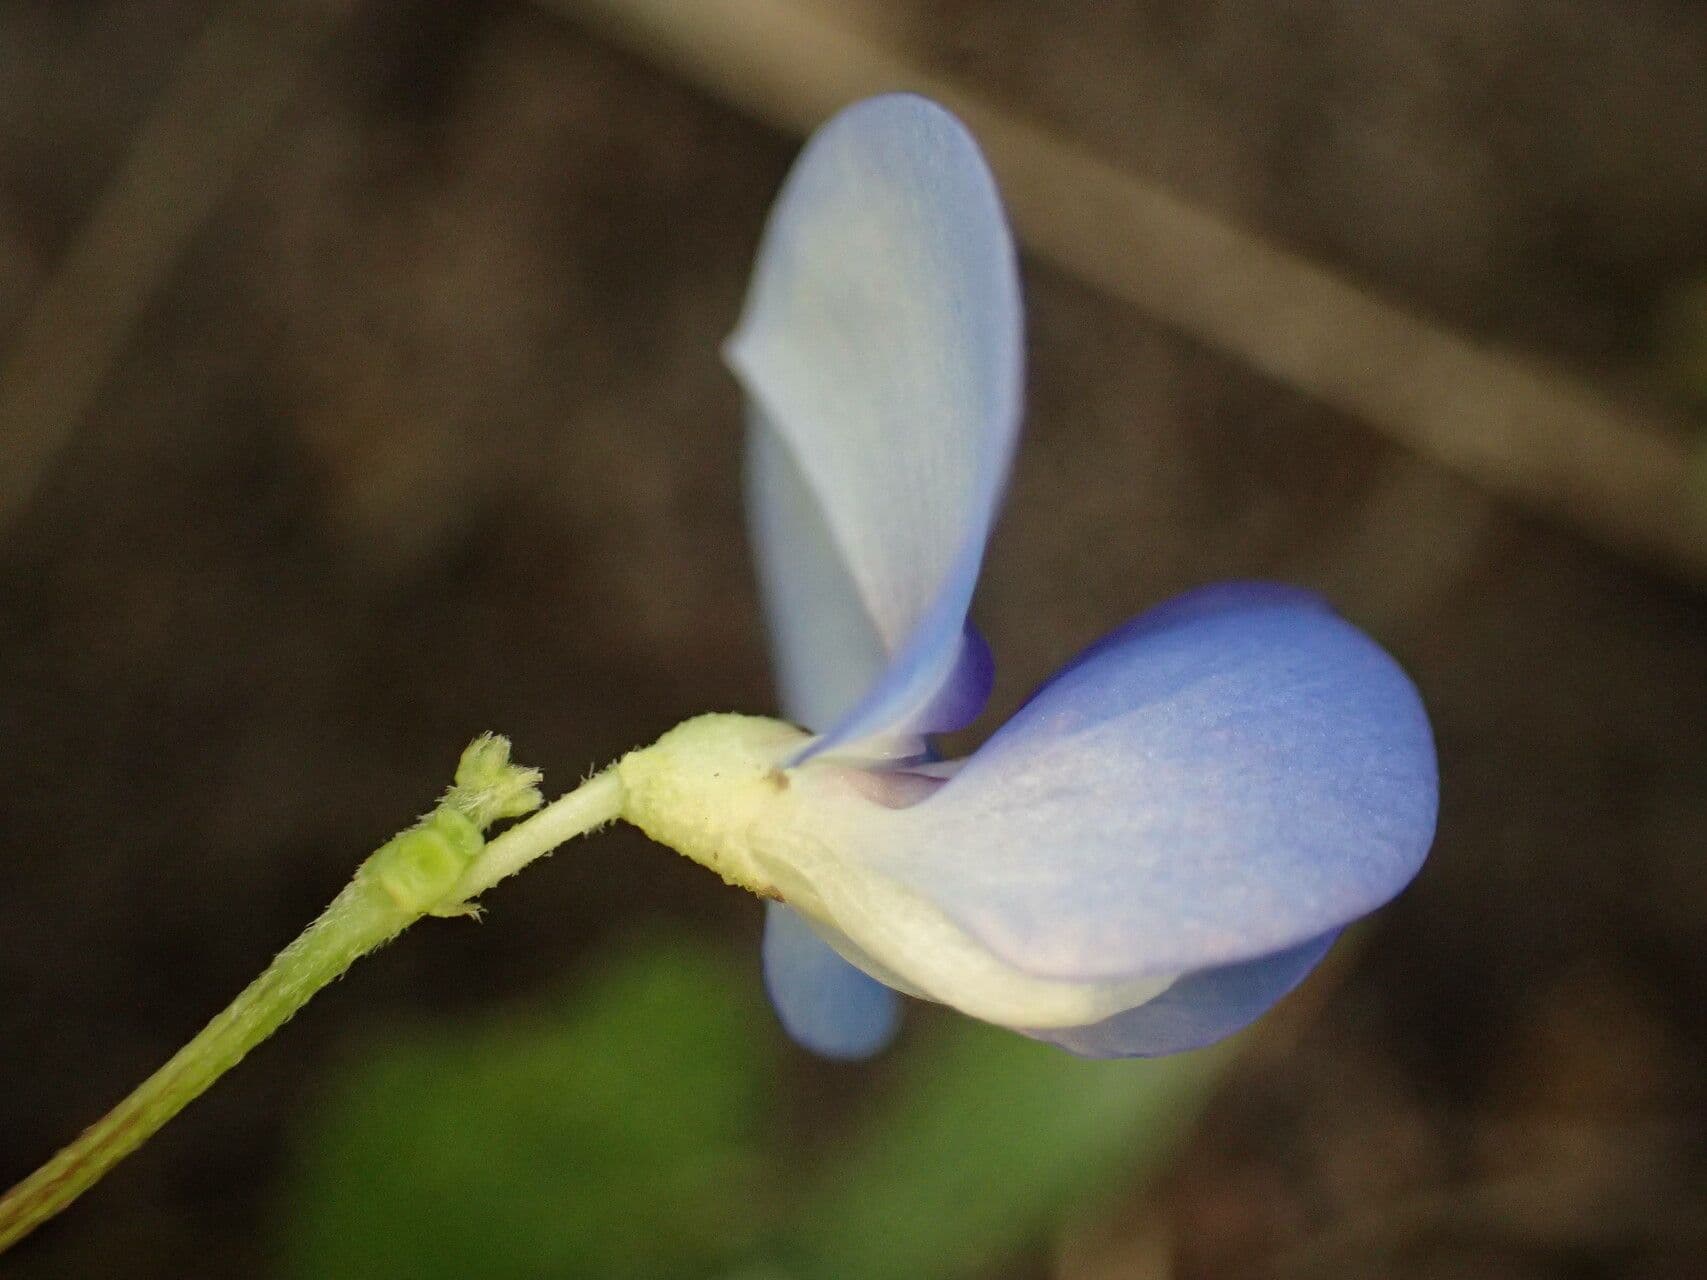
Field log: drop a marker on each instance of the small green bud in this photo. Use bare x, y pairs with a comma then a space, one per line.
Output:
418, 867
458, 830
489, 787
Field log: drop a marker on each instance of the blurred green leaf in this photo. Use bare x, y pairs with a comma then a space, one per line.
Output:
990, 1140
614, 1136
617, 1133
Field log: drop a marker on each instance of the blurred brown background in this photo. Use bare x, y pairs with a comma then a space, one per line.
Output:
425, 433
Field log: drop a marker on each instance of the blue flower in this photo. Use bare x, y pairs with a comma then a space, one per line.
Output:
1173, 829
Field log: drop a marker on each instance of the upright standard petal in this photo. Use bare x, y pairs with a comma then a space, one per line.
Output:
881, 347
825, 647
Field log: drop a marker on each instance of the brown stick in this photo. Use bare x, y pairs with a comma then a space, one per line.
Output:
1532, 435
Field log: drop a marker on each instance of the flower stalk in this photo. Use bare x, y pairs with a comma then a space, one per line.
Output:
362, 917
436, 867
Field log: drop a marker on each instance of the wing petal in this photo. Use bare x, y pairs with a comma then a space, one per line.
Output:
1229, 776
822, 1001
1198, 1010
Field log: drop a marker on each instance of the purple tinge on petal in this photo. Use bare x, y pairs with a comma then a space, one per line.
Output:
825, 1003
881, 349
1198, 1010
1228, 777
904, 705
962, 696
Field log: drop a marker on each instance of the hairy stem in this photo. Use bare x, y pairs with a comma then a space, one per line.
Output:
359, 919
594, 803
436, 867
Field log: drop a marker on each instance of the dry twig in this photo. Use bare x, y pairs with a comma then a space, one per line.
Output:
1532, 435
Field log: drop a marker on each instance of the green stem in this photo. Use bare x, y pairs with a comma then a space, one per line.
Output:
359, 919
594, 803
437, 867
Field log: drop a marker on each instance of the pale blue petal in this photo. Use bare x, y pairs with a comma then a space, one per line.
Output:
882, 347
827, 653
1227, 777
824, 646
1197, 1010
824, 1002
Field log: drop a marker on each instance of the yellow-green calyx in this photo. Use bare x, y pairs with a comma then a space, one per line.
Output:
710, 788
